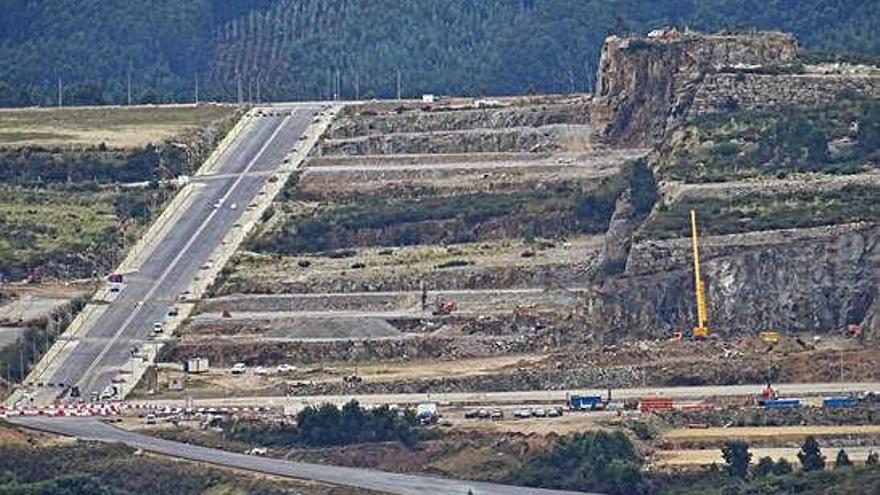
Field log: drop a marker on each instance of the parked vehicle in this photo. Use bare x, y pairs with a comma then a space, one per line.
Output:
522, 413
157, 327
150, 419
285, 368
238, 368
261, 371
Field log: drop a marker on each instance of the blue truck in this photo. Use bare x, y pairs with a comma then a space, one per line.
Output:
585, 403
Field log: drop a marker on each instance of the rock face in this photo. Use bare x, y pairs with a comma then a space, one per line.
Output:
803, 280
517, 139
642, 83
450, 120
725, 91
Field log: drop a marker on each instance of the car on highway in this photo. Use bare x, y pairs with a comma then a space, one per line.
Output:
285, 368
238, 368
109, 392
217, 204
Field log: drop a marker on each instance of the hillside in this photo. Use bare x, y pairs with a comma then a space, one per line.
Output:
295, 49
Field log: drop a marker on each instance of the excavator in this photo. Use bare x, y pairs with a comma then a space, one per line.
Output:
701, 331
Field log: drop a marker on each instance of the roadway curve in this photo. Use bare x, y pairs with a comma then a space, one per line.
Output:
367, 479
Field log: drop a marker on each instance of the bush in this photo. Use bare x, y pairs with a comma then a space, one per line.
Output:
454, 264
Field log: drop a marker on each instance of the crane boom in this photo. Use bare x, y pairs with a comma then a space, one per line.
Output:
701, 331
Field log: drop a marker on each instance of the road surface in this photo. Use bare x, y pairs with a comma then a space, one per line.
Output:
532, 396
368, 479
92, 358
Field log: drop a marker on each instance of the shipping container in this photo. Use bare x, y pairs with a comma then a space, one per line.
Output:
839, 401
196, 365
782, 404
653, 404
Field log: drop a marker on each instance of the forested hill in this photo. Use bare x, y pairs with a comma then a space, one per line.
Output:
299, 49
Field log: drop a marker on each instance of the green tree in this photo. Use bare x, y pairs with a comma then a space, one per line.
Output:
592, 461
737, 457
810, 455
764, 467
842, 460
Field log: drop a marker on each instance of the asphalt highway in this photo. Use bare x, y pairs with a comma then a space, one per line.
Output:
558, 397
174, 261
368, 479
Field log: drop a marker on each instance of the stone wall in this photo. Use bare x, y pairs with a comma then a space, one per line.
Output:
726, 91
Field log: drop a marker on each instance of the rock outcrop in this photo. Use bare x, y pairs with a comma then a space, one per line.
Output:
800, 280
644, 82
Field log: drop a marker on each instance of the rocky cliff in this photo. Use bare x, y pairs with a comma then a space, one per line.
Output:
644, 82
800, 280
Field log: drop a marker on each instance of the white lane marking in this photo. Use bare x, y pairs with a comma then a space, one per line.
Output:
177, 258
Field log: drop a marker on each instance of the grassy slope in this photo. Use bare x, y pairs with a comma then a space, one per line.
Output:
116, 127
749, 146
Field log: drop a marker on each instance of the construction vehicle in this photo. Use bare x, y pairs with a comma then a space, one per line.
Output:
445, 307
769, 336
701, 331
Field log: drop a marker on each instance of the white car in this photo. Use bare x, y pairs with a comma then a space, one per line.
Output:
261, 371
157, 327
238, 368
523, 413
233, 206
217, 204
285, 368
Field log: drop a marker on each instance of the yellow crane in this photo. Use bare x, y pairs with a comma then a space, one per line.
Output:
701, 331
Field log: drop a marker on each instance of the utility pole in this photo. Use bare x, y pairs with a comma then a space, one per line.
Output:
240, 91
329, 93
59, 92
399, 85
357, 86
338, 85
129, 84
250, 90
197, 88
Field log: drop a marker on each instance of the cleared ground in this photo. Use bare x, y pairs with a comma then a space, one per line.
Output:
115, 127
